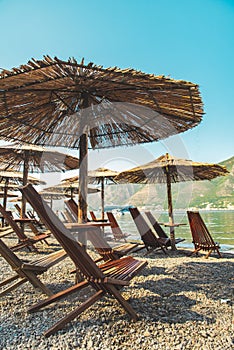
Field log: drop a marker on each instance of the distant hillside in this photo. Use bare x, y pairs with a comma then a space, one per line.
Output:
218, 193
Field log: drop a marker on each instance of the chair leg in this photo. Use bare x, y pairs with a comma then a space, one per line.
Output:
217, 249
34, 280
123, 302
207, 255
57, 296
73, 314
13, 286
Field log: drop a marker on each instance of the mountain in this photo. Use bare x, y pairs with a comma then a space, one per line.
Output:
218, 193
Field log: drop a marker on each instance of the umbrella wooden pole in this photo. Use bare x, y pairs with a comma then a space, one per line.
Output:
5, 194
25, 180
102, 197
83, 176
83, 179
170, 212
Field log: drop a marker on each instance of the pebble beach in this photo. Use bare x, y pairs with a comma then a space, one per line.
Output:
183, 303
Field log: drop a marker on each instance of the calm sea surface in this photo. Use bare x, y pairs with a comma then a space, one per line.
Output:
219, 223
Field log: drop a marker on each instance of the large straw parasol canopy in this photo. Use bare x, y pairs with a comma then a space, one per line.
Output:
100, 176
169, 169
66, 103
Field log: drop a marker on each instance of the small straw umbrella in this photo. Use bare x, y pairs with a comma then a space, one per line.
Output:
69, 189
12, 179
30, 158
168, 169
70, 104
99, 176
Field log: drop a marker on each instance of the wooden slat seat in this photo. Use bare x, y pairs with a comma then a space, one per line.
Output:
202, 239
27, 271
159, 230
149, 239
106, 278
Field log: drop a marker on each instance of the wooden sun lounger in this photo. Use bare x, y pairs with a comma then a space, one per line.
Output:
160, 232
24, 241
149, 239
106, 278
202, 239
27, 271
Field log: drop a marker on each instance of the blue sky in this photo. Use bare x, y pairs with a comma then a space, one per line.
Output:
185, 39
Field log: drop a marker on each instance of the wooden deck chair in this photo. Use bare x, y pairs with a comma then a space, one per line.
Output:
24, 241
27, 271
202, 239
116, 230
106, 278
99, 242
159, 230
149, 239
32, 224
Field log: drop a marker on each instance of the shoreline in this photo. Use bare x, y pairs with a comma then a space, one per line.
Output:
183, 303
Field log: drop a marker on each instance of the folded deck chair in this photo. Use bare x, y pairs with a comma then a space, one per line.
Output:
149, 239
27, 271
106, 278
24, 241
202, 239
158, 229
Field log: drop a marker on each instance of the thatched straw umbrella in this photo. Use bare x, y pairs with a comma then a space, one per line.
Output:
12, 179
66, 103
34, 159
69, 188
99, 176
168, 169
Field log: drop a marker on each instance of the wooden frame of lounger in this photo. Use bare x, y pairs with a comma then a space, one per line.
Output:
106, 278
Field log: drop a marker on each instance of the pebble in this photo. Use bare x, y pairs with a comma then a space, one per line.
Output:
184, 303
